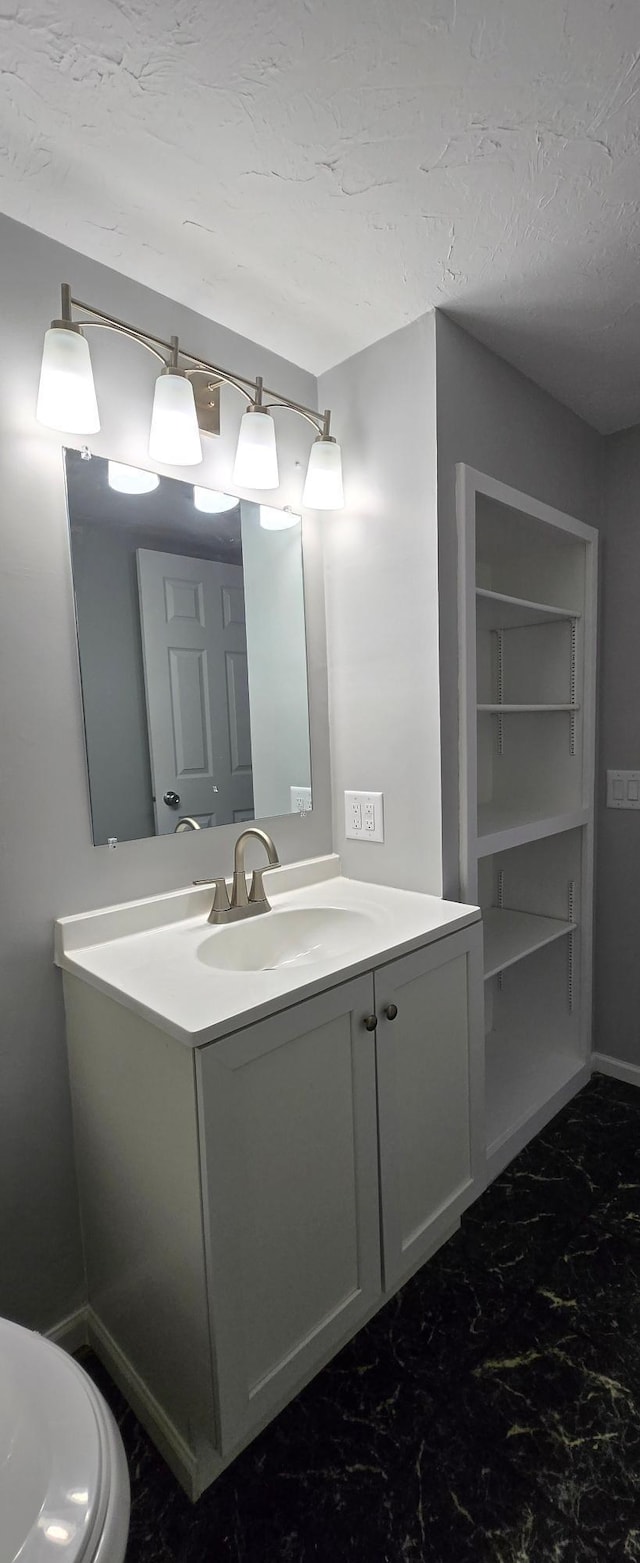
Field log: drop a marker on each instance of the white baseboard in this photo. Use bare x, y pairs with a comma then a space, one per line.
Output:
617, 1068
72, 1332
194, 1469
505, 1150
84, 1328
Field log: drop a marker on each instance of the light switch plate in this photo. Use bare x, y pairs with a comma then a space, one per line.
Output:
623, 789
364, 816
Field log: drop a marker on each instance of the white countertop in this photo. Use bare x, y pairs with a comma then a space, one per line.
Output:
148, 954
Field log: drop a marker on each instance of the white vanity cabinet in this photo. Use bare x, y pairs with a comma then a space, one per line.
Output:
429, 1056
291, 1128
287, 1113
248, 1202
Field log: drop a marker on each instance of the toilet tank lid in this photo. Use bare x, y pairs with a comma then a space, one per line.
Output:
53, 1455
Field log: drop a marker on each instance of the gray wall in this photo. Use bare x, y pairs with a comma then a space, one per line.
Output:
490, 416
617, 946
48, 864
381, 577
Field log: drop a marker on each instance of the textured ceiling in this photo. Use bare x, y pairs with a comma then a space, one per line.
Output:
316, 173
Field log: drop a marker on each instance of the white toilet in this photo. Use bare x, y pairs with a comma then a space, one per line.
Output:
64, 1486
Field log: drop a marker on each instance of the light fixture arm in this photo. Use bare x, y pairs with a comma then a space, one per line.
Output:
321, 422
120, 330
252, 390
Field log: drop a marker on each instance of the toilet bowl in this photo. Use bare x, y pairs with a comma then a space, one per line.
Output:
64, 1486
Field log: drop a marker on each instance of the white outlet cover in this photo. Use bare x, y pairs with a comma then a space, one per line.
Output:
364, 816
301, 801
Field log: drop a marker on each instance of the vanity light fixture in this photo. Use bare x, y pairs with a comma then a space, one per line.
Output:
186, 404
273, 520
211, 502
130, 480
67, 394
256, 463
175, 436
323, 483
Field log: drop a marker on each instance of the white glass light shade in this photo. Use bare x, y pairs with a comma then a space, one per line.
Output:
256, 463
130, 480
212, 502
175, 436
323, 483
276, 520
67, 394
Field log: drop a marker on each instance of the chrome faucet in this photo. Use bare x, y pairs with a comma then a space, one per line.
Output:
242, 904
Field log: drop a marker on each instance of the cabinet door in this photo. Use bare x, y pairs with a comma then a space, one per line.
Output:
288, 1140
429, 1095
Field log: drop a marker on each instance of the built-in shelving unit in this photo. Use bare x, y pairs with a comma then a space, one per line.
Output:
527, 613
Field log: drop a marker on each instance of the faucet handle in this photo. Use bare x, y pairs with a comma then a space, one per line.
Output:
221, 906
257, 892
221, 896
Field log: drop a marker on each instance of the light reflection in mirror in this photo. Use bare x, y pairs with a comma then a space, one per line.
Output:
272, 520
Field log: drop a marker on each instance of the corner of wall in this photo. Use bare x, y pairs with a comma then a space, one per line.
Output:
381, 586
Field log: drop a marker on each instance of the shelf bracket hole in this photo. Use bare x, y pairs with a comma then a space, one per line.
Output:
571, 948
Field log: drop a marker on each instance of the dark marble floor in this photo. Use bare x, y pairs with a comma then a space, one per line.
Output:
490, 1412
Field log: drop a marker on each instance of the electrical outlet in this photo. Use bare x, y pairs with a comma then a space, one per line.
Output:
300, 800
364, 816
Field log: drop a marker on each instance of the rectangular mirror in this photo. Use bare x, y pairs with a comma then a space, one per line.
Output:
191, 638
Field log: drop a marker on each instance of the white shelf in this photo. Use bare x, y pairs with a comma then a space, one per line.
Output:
510, 936
501, 826
510, 710
520, 1081
496, 611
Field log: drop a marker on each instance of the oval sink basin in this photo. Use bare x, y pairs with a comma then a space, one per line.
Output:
286, 938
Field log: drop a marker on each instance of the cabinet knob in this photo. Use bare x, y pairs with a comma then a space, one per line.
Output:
370, 1022
391, 1011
